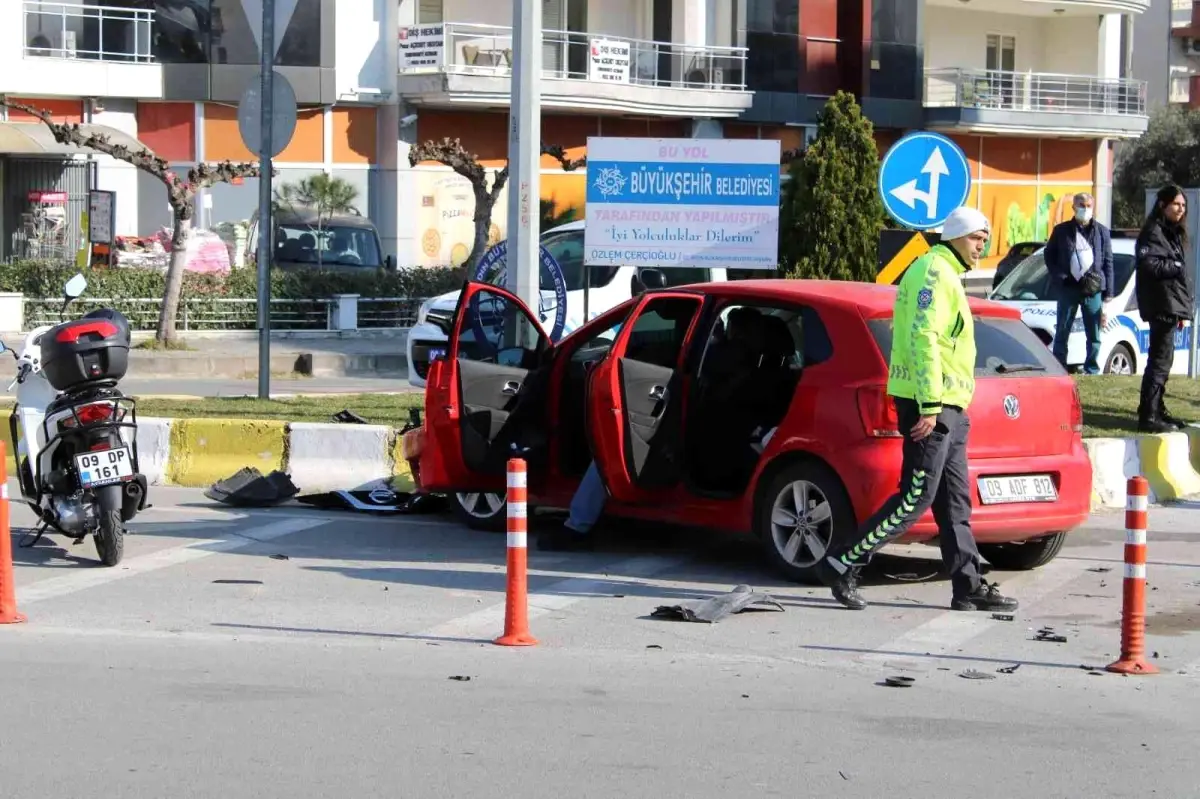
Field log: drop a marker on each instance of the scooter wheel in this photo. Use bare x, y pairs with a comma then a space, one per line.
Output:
110, 538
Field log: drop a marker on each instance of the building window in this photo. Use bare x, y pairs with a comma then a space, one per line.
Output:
429, 12
233, 39
181, 32
1001, 52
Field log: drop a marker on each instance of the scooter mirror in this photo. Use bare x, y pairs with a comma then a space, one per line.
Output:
74, 288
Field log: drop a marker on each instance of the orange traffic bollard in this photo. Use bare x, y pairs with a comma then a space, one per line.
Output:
8, 590
1133, 610
516, 602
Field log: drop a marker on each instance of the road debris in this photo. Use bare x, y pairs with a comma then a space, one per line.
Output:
459, 678
653, 646
237, 582
843, 776
713, 610
1048, 634
250, 488
1003, 616
1100, 569
1009, 669
280, 556
900, 681
972, 674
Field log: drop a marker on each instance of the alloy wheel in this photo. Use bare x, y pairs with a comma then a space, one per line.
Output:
802, 523
1118, 363
480, 505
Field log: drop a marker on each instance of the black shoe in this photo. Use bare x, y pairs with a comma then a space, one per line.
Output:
844, 586
1156, 426
1168, 419
986, 597
564, 541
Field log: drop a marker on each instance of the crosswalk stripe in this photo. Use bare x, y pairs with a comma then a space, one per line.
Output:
952, 629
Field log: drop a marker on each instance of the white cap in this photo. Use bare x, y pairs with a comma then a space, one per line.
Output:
964, 221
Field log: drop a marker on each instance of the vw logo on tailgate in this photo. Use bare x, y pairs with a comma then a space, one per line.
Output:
1012, 406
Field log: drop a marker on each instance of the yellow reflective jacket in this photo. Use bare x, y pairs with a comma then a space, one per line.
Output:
933, 338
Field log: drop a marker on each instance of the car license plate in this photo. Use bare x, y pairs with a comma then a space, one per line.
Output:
1017, 488
104, 467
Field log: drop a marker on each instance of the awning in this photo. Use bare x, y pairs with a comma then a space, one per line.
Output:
34, 138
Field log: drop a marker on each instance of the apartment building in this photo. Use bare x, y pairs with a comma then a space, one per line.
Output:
1033, 91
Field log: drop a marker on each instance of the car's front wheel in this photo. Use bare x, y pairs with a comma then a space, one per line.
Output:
1024, 555
481, 511
801, 513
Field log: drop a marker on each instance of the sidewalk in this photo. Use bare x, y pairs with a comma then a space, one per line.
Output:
236, 357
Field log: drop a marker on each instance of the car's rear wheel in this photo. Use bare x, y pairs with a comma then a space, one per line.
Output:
1024, 555
480, 510
801, 513
1120, 361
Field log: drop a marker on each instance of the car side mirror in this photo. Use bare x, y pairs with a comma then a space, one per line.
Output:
389, 263
653, 279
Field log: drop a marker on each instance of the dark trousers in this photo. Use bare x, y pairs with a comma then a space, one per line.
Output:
934, 473
1158, 368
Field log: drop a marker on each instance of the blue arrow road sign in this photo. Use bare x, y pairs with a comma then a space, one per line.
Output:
924, 177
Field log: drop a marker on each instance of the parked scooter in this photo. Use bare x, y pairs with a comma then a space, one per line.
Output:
75, 432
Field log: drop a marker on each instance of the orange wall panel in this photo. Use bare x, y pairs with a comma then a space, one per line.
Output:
1068, 160
308, 141
169, 129
222, 139
63, 111
484, 134
355, 136
570, 133
1009, 159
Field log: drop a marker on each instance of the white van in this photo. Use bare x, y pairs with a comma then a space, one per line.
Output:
1124, 341
608, 287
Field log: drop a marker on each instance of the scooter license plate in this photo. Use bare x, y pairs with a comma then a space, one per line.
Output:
104, 467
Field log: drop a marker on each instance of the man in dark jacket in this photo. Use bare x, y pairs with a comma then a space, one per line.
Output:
1079, 257
1165, 296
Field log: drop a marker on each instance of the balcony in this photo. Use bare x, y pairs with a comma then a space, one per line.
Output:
460, 65
87, 50
993, 101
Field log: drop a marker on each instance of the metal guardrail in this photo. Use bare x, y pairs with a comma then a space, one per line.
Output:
201, 313
1034, 91
91, 33
473, 49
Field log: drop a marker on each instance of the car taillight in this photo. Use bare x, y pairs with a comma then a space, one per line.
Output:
1076, 411
91, 414
878, 413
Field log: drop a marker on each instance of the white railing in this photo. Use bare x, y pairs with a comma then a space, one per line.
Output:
201, 313
486, 50
1034, 91
92, 33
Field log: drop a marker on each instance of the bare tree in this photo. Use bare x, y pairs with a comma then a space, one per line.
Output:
451, 153
181, 195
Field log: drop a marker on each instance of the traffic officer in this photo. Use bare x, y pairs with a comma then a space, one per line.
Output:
931, 381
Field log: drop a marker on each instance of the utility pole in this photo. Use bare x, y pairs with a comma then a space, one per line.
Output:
525, 154
266, 226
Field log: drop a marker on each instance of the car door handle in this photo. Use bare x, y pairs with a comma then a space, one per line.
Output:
658, 393
511, 387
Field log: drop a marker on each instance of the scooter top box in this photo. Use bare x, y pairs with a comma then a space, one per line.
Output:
94, 348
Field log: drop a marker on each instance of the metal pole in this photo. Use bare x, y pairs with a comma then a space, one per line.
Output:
525, 153
266, 226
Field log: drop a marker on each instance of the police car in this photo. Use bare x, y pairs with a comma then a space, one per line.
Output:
1124, 341
607, 288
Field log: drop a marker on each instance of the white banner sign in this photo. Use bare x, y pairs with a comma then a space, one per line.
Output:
422, 47
608, 61
709, 203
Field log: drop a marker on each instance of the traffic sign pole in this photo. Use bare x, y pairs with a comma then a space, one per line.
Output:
525, 152
266, 224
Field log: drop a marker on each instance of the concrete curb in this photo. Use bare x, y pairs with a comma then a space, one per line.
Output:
1168, 461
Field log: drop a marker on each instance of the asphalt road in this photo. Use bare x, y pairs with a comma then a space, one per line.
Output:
206, 667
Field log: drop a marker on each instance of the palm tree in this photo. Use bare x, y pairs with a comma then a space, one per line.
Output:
323, 193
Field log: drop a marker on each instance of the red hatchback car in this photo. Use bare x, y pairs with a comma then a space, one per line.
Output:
796, 450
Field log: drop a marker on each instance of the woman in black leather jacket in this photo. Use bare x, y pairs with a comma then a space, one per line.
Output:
1165, 296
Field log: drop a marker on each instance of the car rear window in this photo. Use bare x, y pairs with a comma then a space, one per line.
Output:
1003, 347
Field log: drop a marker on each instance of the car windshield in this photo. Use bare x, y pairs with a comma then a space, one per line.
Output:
1030, 280
328, 245
1002, 347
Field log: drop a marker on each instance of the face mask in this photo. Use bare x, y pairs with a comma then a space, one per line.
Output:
1084, 215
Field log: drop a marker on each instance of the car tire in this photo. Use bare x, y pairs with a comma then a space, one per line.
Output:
481, 511
1025, 555
1120, 361
829, 518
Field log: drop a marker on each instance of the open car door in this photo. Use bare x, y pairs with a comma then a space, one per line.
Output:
635, 399
483, 393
